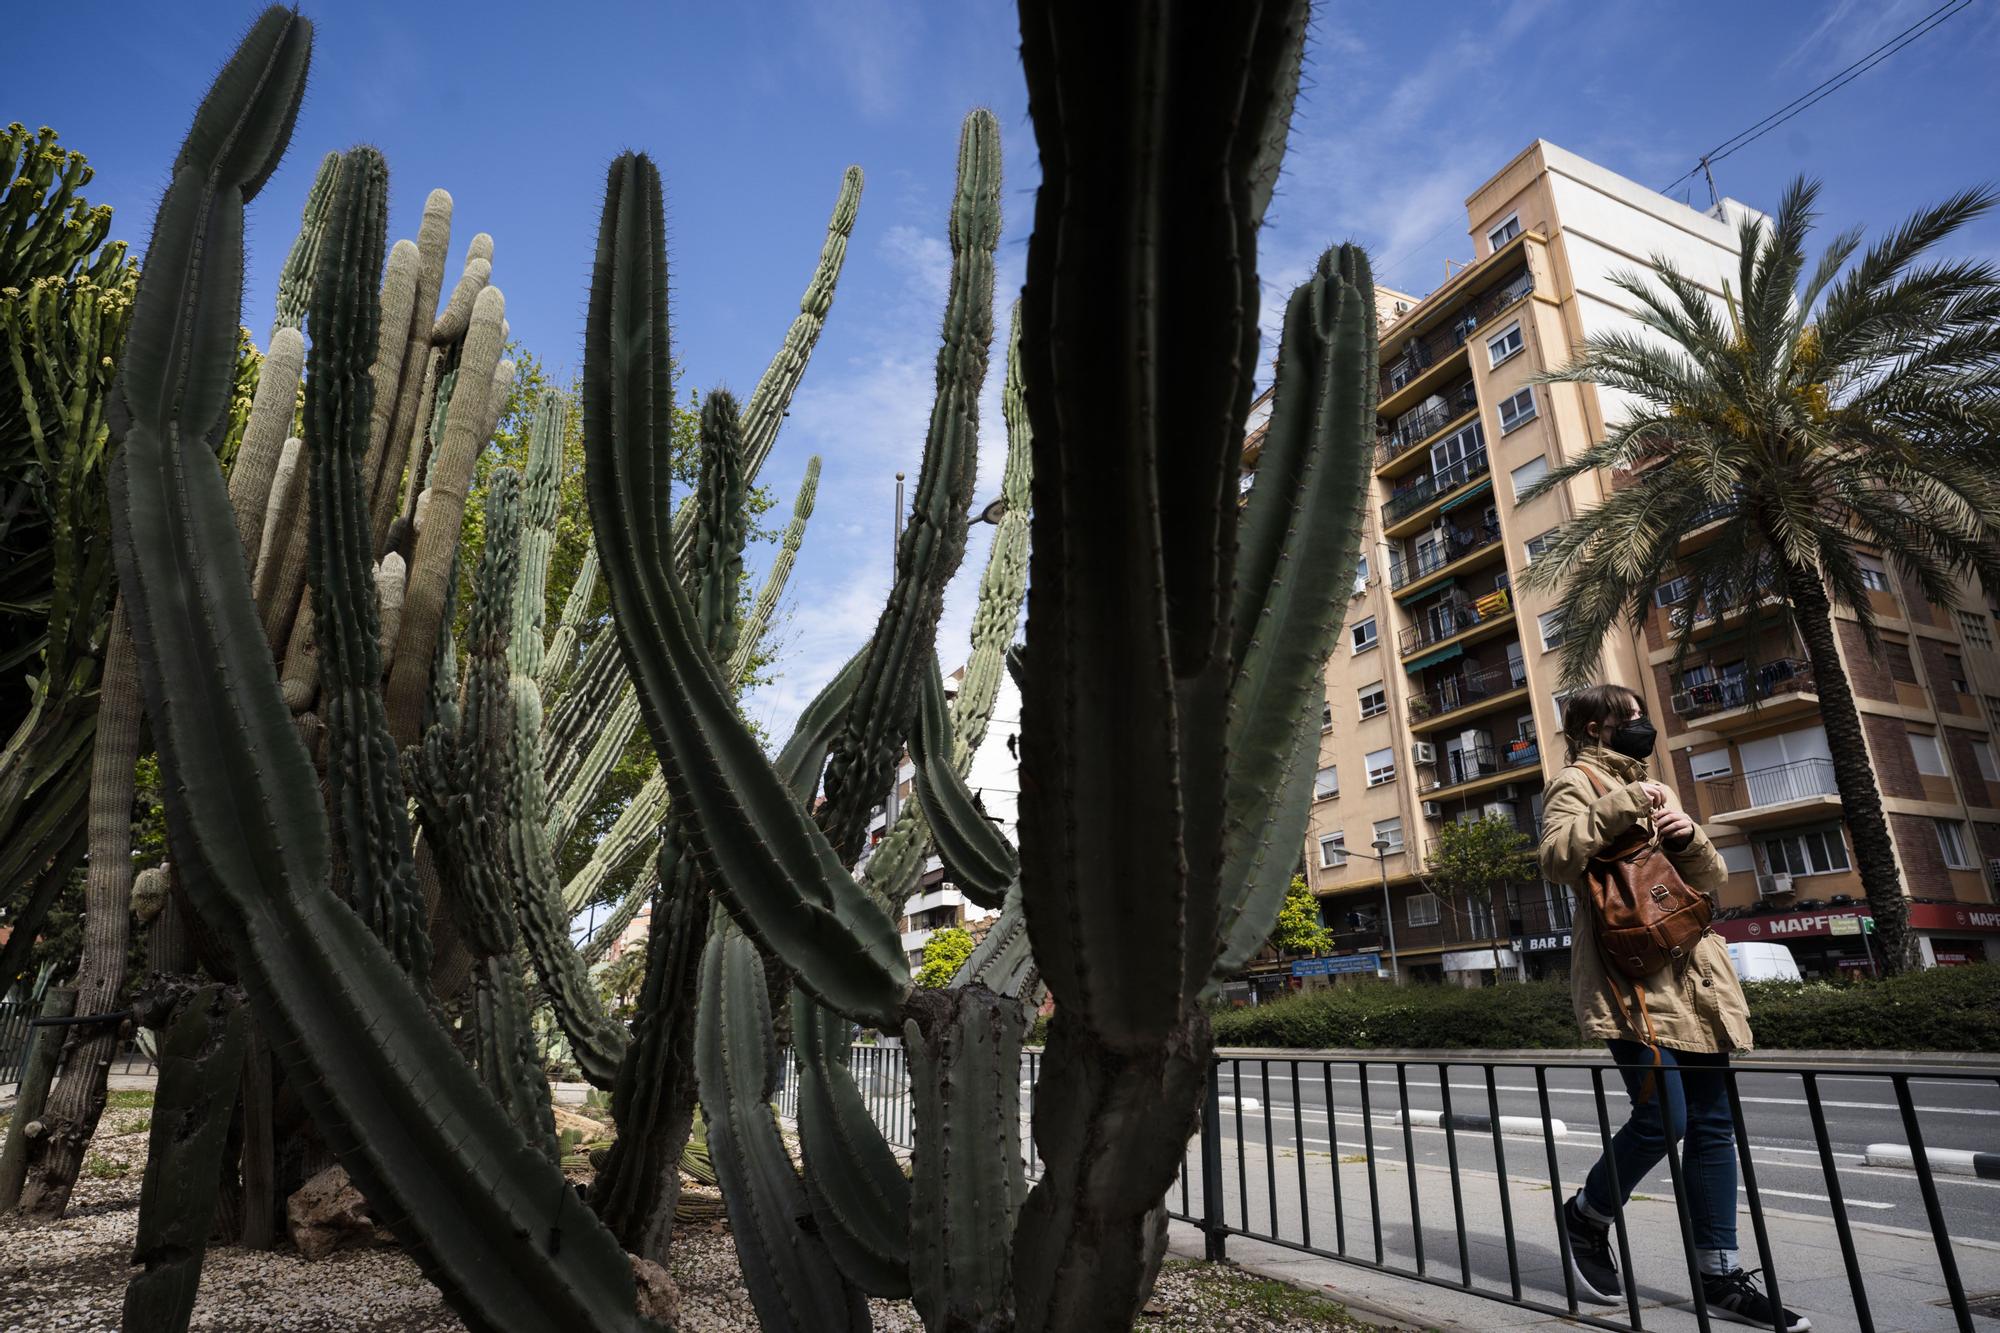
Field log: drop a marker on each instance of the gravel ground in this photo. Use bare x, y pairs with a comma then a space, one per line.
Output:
71, 1276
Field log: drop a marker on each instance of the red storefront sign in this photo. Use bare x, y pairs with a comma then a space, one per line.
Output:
1957, 918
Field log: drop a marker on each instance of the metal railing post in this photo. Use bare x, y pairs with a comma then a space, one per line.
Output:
1214, 1228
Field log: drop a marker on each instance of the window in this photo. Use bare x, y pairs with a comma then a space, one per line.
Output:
1517, 409
1326, 717
1505, 232
1528, 474
1954, 667
1364, 635
1332, 850
1978, 634
1423, 909
1505, 344
1539, 543
1673, 591
1993, 709
1326, 783
1897, 653
1952, 841
1712, 764
1381, 767
1989, 766
1737, 858
1374, 700
1551, 625
1813, 852
1360, 573
1872, 574
1391, 832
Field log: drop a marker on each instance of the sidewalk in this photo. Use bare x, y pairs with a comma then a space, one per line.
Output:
1899, 1269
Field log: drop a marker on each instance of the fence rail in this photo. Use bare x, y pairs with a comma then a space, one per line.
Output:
1270, 1164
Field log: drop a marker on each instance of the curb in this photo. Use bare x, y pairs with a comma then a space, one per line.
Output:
1946, 1161
1525, 1126
1596, 1055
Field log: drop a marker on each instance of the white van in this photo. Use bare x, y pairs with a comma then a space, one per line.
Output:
1760, 960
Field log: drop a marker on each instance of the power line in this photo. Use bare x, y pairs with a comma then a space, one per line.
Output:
1819, 92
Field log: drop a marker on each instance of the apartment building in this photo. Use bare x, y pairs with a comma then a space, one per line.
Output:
1442, 698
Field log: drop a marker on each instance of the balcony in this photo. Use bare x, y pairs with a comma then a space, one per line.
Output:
1416, 427
1421, 353
1431, 486
1459, 767
1522, 753
1453, 616
1457, 544
1741, 696
1468, 689
1773, 795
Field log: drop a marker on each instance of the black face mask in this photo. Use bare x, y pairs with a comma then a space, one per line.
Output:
1634, 739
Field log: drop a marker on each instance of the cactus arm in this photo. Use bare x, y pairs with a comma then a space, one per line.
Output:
1003, 962
1139, 356
456, 316
643, 887
856, 1187
541, 493
364, 788
295, 279
437, 541
981, 860
287, 498
572, 731
200, 1061
390, 450
928, 553
754, 842
622, 844
758, 621
582, 780
256, 465
791, 1280
559, 657
720, 526
964, 1048
1300, 533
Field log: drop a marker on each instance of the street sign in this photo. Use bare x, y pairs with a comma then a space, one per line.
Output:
1846, 925
1365, 964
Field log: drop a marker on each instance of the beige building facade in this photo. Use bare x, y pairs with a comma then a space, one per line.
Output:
1442, 697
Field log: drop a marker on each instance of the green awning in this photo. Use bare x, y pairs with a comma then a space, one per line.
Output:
1428, 588
1473, 494
1432, 659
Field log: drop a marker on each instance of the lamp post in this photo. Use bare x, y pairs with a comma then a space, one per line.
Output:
1381, 860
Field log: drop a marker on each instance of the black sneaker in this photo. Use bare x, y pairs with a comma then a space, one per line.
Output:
1735, 1296
1590, 1261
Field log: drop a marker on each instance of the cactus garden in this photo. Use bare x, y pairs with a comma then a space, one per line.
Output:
423, 653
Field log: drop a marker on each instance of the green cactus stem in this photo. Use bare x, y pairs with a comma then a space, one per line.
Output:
634, 831
559, 657
858, 1192
757, 621
200, 1062
981, 860
252, 474
489, 1218
364, 786
295, 279
541, 485
591, 952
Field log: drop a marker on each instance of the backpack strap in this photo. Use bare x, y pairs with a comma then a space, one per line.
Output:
1645, 1023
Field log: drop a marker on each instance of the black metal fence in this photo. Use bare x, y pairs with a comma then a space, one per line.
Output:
1256, 1170
17, 1032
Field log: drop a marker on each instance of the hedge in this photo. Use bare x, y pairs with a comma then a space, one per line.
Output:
1942, 1009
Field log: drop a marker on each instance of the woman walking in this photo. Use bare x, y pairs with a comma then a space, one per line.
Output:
1671, 1031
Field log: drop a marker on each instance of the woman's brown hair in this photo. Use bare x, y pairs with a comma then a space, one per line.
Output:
1599, 704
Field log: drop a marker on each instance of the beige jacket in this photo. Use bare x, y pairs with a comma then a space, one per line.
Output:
1697, 1006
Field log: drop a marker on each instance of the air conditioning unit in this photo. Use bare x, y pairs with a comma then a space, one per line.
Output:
1423, 752
1777, 885
1433, 810
1510, 792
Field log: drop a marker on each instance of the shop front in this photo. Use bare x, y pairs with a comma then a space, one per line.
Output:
1544, 956
1841, 941
1957, 934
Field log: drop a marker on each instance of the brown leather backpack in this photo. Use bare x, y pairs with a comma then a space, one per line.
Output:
1647, 916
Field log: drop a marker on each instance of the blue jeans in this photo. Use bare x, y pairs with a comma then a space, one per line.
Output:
1696, 1104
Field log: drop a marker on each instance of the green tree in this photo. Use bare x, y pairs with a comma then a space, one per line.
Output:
1299, 929
944, 953
1808, 414
1478, 861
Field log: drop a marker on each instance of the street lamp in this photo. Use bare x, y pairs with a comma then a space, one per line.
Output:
1381, 860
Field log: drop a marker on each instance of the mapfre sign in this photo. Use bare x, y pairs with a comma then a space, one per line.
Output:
1791, 926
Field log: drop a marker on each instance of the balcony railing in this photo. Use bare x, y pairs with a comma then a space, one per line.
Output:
1798, 780
1784, 676
1407, 500
1416, 427
1442, 620
1419, 354
1466, 765
1522, 753
1463, 690
1457, 542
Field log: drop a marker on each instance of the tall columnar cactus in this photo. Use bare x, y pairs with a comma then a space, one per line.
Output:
488, 1216
541, 490
295, 279
757, 621
559, 656
409, 300
364, 787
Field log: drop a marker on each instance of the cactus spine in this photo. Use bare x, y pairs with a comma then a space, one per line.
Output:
295, 279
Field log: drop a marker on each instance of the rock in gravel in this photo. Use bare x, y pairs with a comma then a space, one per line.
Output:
659, 1298
328, 1213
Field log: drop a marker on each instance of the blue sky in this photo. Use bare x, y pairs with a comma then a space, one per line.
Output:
754, 110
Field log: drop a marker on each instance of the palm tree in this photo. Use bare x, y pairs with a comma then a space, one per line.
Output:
1809, 414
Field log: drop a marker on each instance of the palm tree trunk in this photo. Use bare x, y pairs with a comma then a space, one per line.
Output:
1860, 798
